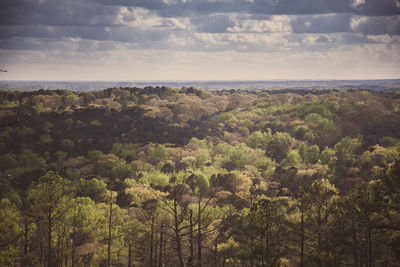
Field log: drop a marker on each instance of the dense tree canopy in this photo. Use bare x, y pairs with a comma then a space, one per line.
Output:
185, 177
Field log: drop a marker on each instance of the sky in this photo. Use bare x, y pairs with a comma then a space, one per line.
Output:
199, 39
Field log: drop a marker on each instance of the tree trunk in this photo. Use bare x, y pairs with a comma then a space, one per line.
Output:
267, 245
58, 251
215, 252
25, 248
177, 236
41, 260
49, 237
161, 246
151, 242
155, 249
73, 242
262, 250
319, 234
362, 249
353, 226
109, 234
129, 254
302, 239
369, 248
278, 240
199, 234
252, 251
179, 246
191, 238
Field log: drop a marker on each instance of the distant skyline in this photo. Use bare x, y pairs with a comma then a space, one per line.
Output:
197, 40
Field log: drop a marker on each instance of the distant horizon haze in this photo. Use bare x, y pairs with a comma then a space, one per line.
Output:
79, 85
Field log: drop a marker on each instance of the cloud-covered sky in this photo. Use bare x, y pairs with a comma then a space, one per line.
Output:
199, 39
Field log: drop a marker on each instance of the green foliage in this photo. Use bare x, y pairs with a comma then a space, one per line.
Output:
198, 183
48, 193
279, 145
158, 153
30, 159
200, 143
96, 123
94, 155
122, 171
313, 118
71, 99
236, 158
228, 182
157, 179
47, 127
325, 129
67, 144
8, 161
293, 158
61, 156
69, 122
126, 151
259, 139
328, 156
94, 188
309, 154
380, 156
225, 117
324, 109
49, 203
345, 149
10, 229
328, 127
46, 139
72, 173
202, 158
255, 175
8, 104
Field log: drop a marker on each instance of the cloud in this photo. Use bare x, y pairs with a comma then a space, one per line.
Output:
117, 34
336, 23
57, 12
321, 23
213, 23
376, 7
376, 25
86, 32
173, 8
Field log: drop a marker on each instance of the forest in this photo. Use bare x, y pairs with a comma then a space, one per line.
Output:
160, 176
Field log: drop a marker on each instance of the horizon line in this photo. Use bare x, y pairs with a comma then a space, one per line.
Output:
240, 80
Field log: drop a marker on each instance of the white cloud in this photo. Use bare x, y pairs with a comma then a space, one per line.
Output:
357, 3
202, 39
275, 24
357, 21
